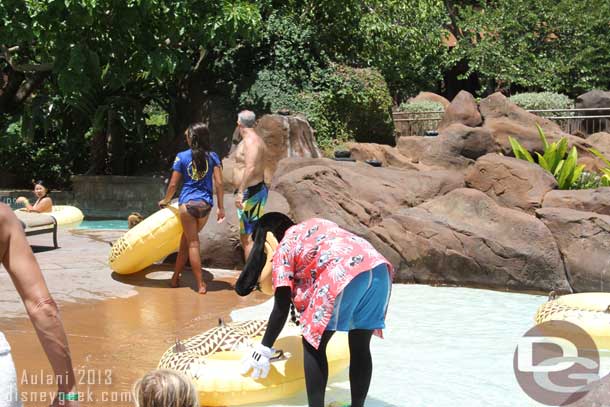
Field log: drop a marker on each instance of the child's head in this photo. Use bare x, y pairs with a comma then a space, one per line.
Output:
133, 219
165, 388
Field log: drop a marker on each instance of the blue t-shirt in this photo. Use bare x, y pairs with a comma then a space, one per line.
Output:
197, 185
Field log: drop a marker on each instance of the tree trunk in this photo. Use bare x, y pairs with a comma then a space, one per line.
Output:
116, 140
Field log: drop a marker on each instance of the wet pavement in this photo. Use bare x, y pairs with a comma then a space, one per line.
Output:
118, 326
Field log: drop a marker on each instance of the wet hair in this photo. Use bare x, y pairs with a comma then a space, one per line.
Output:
274, 222
165, 388
246, 118
199, 135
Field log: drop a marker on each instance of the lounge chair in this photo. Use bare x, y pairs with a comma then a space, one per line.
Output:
37, 224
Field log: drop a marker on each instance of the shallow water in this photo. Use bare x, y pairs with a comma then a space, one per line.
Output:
103, 224
443, 347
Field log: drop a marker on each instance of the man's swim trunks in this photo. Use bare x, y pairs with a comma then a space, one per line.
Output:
254, 200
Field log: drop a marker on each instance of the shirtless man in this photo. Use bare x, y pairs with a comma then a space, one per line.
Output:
251, 194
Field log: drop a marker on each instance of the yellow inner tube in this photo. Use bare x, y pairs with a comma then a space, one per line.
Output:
217, 377
589, 311
65, 214
148, 242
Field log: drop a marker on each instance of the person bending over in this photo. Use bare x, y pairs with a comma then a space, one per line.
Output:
336, 280
201, 171
18, 259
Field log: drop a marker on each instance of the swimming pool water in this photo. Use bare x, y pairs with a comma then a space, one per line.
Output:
443, 347
103, 224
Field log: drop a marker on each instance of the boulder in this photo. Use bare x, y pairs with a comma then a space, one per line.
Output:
430, 97
356, 195
583, 239
387, 155
512, 183
591, 100
588, 200
596, 396
464, 110
414, 147
455, 148
219, 242
601, 142
465, 238
504, 118
284, 136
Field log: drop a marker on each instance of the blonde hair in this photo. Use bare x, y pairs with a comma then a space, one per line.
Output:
165, 388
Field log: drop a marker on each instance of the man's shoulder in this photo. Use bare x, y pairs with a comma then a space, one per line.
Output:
6, 214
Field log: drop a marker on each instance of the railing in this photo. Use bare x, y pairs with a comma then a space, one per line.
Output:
583, 121
572, 121
416, 123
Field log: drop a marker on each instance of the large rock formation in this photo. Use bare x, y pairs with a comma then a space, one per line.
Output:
591, 100
430, 97
386, 155
465, 238
464, 110
356, 195
510, 182
584, 241
588, 200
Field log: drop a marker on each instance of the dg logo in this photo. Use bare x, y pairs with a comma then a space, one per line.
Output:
555, 362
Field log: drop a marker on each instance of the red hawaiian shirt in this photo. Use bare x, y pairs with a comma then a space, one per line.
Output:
317, 259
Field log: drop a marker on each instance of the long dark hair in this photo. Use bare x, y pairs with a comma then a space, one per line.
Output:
274, 222
199, 134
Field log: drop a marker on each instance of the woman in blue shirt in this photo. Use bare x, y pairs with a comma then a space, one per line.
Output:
199, 169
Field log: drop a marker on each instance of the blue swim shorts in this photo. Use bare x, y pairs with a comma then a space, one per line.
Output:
363, 302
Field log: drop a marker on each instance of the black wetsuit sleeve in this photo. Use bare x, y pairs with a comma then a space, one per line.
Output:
277, 319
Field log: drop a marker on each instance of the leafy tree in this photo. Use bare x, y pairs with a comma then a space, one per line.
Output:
552, 45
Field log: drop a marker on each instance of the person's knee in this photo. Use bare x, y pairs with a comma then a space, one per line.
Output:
193, 244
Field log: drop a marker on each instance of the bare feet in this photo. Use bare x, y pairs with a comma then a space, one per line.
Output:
203, 289
175, 280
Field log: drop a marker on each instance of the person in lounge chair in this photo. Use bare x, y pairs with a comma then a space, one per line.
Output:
19, 261
43, 204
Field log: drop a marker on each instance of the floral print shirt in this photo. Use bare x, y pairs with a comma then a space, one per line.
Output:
317, 259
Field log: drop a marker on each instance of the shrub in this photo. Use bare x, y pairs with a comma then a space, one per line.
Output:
556, 160
341, 103
543, 101
421, 106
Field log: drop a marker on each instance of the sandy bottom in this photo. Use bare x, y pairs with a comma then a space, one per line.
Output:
114, 342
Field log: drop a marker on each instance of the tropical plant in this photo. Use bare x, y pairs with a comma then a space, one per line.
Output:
556, 159
605, 177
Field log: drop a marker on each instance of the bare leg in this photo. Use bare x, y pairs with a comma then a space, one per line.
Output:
246, 244
190, 227
180, 261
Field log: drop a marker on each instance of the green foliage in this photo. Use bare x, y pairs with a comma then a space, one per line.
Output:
564, 168
589, 180
605, 177
340, 102
421, 106
554, 45
543, 101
